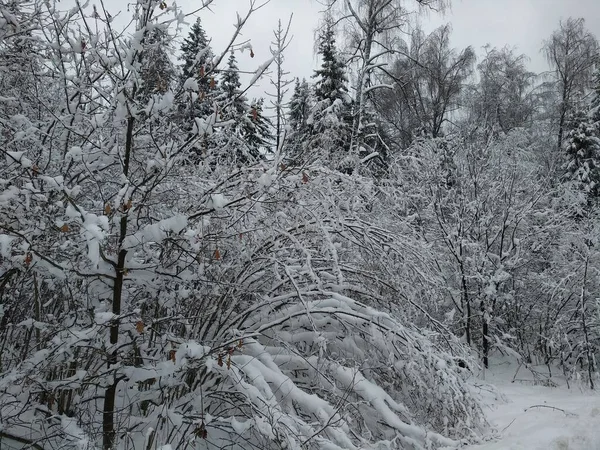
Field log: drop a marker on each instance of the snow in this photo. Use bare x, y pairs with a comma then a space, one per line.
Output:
535, 417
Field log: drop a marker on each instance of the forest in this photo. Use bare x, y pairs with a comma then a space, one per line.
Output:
325, 266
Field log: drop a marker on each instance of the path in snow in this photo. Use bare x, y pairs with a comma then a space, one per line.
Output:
521, 426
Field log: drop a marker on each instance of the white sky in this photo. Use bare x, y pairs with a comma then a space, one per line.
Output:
523, 24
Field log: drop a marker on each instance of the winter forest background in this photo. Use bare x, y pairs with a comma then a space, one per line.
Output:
185, 267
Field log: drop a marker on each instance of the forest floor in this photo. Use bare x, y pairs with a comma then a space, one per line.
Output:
528, 416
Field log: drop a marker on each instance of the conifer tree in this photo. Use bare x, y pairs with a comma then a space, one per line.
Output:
231, 99
258, 129
197, 76
332, 113
197, 56
331, 81
583, 153
157, 71
300, 107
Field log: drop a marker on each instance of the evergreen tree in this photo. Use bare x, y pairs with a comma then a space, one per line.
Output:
231, 99
197, 56
583, 153
596, 97
300, 107
157, 70
258, 129
331, 114
331, 81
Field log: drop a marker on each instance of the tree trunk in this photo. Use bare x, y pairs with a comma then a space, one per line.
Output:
108, 417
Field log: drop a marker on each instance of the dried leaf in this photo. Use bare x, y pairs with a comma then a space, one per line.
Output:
240, 344
139, 326
162, 5
220, 360
213, 83
64, 228
217, 254
172, 354
107, 209
28, 259
229, 361
201, 71
35, 169
251, 53
304, 177
254, 114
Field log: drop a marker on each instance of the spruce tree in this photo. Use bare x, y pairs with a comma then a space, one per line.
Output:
196, 57
157, 71
331, 114
583, 154
231, 99
300, 107
258, 129
331, 81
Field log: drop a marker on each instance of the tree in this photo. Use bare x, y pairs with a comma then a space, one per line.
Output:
583, 155
503, 99
157, 71
371, 27
279, 45
197, 57
331, 114
258, 129
299, 116
427, 81
330, 79
572, 52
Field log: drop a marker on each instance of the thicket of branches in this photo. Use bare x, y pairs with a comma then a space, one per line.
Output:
177, 271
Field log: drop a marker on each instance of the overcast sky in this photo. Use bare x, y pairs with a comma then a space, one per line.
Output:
523, 24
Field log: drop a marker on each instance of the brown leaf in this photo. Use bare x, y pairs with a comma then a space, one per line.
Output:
35, 169
240, 344
217, 254
254, 114
127, 205
200, 431
251, 53
28, 259
304, 177
229, 361
64, 228
201, 71
220, 360
139, 326
107, 209
213, 83
172, 354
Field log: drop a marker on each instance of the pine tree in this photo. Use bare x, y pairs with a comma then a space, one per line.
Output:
157, 71
596, 97
331, 81
300, 107
197, 57
583, 153
332, 113
231, 99
258, 129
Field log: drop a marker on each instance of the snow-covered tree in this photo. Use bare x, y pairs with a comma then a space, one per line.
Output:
197, 58
583, 154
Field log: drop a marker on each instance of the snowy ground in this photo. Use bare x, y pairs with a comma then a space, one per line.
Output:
525, 418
